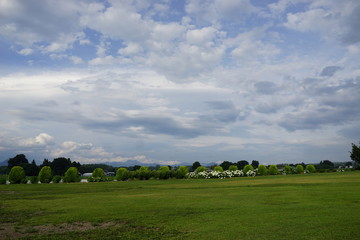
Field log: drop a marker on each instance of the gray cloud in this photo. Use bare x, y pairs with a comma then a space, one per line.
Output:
352, 27
329, 71
265, 87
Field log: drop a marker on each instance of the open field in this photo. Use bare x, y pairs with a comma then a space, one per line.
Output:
318, 206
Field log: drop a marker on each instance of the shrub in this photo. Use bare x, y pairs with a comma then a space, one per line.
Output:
56, 179
71, 175
143, 173
200, 169
182, 171
17, 175
122, 174
45, 174
164, 172
98, 175
34, 179
273, 170
218, 169
247, 168
299, 169
2, 179
310, 168
233, 168
262, 170
288, 169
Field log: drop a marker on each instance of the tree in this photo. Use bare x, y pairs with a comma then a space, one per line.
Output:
71, 175
98, 173
262, 170
200, 169
288, 169
18, 160
326, 164
218, 169
226, 164
273, 170
182, 171
299, 169
247, 168
233, 168
310, 168
46, 162
17, 175
195, 165
122, 174
164, 172
355, 153
60, 165
32, 169
45, 174
143, 173
255, 163
241, 164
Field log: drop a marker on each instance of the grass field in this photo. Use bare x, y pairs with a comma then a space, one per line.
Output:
318, 206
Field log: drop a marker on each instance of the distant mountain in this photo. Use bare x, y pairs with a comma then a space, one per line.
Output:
128, 163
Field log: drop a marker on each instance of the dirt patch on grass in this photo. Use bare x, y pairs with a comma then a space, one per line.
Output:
13, 231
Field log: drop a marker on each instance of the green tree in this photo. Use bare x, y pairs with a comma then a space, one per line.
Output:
17, 175
310, 168
164, 172
98, 173
255, 163
195, 165
122, 174
247, 168
288, 169
299, 169
32, 169
233, 168
273, 170
45, 174
355, 153
18, 160
200, 169
218, 169
71, 175
143, 173
60, 165
262, 170
182, 171
226, 165
241, 164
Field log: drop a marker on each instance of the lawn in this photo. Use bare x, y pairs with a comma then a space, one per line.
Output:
316, 206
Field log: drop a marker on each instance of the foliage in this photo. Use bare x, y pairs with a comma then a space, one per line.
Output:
262, 170
56, 179
182, 171
18, 160
310, 168
3, 179
98, 173
164, 172
88, 168
71, 175
143, 173
216, 174
122, 174
226, 165
60, 165
195, 165
34, 179
299, 169
45, 174
255, 163
247, 168
273, 170
326, 164
200, 169
218, 169
288, 169
17, 175
241, 164
355, 153
233, 168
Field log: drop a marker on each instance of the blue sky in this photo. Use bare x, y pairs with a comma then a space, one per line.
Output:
180, 81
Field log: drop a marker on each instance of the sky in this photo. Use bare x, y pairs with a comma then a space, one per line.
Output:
173, 82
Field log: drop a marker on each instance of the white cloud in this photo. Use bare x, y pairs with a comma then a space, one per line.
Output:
26, 51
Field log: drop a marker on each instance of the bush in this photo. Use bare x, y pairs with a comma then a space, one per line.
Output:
34, 179
299, 169
98, 173
143, 173
200, 169
181, 172
262, 170
233, 168
71, 175
122, 174
45, 174
56, 179
310, 168
164, 172
17, 175
288, 169
3, 179
273, 170
247, 168
218, 169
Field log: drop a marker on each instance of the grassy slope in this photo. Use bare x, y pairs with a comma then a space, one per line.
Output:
319, 206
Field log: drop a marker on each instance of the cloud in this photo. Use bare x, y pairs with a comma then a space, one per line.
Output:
329, 71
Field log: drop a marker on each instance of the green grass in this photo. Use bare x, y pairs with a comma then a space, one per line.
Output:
318, 206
